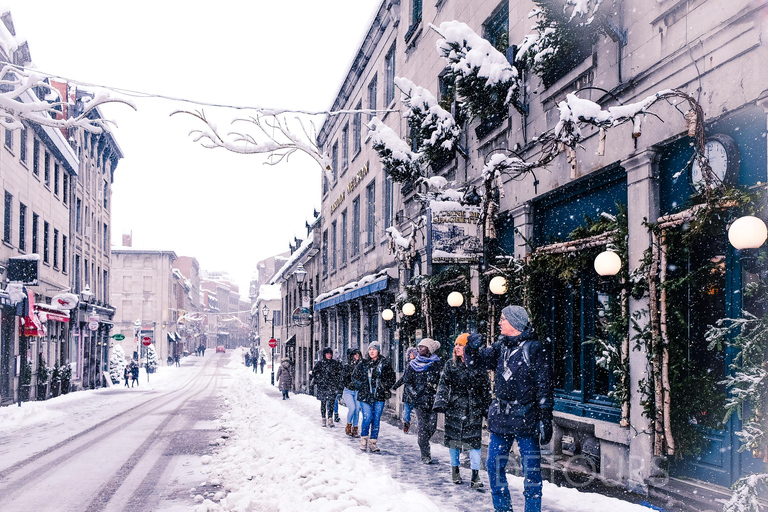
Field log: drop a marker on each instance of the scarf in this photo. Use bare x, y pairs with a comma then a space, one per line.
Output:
421, 363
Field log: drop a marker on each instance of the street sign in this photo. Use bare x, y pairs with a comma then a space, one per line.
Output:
118, 337
272, 343
146, 341
302, 317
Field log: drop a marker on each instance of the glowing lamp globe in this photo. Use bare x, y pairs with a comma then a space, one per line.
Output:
409, 309
747, 233
498, 285
455, 299
607, 263
387, 315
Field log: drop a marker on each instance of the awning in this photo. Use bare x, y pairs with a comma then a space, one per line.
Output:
361, 291
51, 314
291, 341
171, 339
31, 326
178, 338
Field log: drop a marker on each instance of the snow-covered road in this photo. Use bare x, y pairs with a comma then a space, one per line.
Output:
277, 457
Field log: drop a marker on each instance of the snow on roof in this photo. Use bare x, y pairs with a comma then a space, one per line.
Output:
368, 279
8, 42
298, 253
269, 292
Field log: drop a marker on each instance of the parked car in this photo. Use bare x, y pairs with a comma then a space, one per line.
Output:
221, 348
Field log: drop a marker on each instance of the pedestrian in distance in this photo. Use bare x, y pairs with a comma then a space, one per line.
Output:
464, 396
350, 393
126, 374
169, 361
262, 363
177, 359
285, 377
326, 375
522, 408
408, 397
374, 377
421, 377
134, 373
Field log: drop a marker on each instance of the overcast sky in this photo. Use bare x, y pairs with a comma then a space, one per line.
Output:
227, 210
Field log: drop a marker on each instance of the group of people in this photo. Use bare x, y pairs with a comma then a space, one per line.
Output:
131, 371
519, 409
253, 359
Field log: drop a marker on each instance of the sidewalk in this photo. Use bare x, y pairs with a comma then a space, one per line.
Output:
278, 457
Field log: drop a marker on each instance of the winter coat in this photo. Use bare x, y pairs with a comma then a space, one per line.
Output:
127, 373
422, 386
135, 371
522, 382
327, 376
285, 377
373, 380
408, 396
346, 378
464, 396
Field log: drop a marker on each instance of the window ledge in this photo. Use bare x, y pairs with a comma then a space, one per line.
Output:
412, 35
369, 248
7, 244
354, 258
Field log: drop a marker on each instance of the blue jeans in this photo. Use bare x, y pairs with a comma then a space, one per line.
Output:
371, 419
474, 457
336, 405
407, 412
498, 456
353, 406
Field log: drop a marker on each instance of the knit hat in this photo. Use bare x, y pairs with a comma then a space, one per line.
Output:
431, 344
462, 339
376, 345
517, 317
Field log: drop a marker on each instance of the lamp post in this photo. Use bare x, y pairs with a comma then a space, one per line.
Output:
265, 312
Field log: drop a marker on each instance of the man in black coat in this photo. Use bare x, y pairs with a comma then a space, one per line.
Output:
522, 409
327, 376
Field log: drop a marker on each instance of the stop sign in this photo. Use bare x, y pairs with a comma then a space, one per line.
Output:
146, 341
272, 343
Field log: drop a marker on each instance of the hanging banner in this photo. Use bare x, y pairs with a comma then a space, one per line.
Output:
454, 233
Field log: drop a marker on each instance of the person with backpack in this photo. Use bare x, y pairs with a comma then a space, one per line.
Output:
420, 379
522, 408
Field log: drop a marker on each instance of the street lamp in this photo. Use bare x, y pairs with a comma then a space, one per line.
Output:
409, 309
498, 285
455, 299
387, 315
747, 232
300, 275
607, 263
265, 312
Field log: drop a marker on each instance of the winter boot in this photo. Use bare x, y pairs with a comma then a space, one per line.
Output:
406, 427
336, 418
455, 476
348, 429
330, 423
476, 483
372, 445
322, 422
355, 432
364, 443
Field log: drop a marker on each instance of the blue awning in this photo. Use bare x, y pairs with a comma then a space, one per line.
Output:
368, 289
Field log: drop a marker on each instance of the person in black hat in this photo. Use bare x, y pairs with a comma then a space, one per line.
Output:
522, 409
327, 376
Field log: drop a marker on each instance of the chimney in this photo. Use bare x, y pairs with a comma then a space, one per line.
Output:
128, 239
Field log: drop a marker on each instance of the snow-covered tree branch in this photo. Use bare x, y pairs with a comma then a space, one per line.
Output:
401, 164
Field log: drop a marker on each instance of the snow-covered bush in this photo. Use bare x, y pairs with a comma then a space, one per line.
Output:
152, 362
485, 81
397, 159
116, 364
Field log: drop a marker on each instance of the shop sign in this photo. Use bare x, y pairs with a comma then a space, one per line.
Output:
93, 322
302, 317
455, 234
353, 183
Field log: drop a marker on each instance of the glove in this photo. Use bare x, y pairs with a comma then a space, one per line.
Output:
545, 431
475, 340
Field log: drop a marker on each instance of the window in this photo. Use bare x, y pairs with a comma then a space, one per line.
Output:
357, 125
325, 251
36, 157
277, 318
105, 284
56, 179
35, 222
23, 146
372, 91
47, 169
65, 187
370, 198
389, 201
55, 248
344, 237
356, 226
389, 82
344, 148
9, 138
335, 162
8, 218
334, 246
416, 12
106, 193
78, 207
77, 273
22, 227
105, 238
496, 28
46, 248
64, 254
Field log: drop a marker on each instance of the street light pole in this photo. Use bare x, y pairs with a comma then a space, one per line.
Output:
265, 312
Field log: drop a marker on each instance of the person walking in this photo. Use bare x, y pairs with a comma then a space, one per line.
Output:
134, 373
285, 377
262, 363
408, 397
373, 377
327, 376
421, 377
176, 359
522, 408
126, 374
350, 393
463, 395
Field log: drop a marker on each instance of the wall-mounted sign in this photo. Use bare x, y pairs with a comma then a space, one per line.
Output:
353, 183
302, 317
455, 233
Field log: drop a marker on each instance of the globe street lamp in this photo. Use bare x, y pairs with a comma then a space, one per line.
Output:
498, 285
265, 312
387, 315
409, 309
607, 263
747, 232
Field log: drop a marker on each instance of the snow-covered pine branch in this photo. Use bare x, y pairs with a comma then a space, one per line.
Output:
485, 81
746, 491
397, 159
434, 127
276, 138
28, 96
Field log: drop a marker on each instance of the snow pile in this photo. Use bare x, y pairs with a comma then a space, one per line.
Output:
298, 253
396, 156
499, 162
367, 279
446, 206
270, 292
272, 462
398, 239
436, 126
